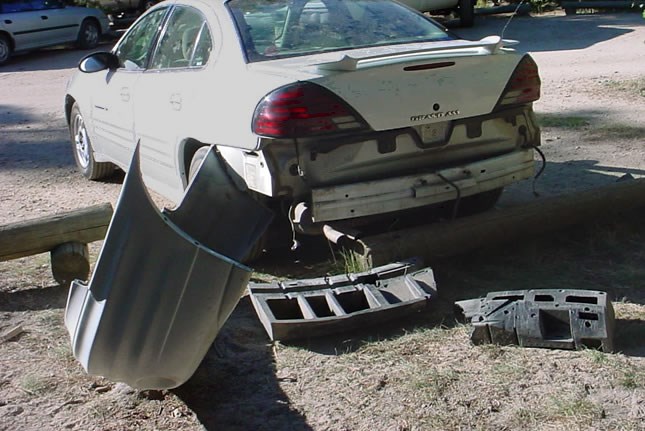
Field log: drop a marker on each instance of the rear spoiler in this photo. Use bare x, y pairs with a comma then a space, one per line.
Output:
490, 45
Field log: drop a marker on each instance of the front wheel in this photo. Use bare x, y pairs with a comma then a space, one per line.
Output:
82, 147
466, 11
5, 49
89, 34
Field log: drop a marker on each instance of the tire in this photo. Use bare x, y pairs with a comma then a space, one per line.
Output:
199, 155
89, 34
257, 249
5, 49
82, 148
480, 202
466, 12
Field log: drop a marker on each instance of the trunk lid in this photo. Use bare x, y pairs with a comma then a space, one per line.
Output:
400, 86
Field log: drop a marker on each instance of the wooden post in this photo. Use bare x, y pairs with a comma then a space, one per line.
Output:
46, 233
464, 234
70, 261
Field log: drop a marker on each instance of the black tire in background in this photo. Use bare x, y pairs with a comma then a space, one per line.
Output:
466, 12
82, 149
480, 202
5, 49
89, 34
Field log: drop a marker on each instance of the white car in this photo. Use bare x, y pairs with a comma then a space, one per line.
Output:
32, 24
329, 110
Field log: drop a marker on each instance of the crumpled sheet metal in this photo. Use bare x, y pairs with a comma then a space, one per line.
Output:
157, 297
548, 318
326, 305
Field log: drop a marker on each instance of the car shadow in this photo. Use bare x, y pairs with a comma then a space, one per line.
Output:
13, 115
553, 33
236, 386
35, 298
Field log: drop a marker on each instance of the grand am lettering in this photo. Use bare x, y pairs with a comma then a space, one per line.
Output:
434, 115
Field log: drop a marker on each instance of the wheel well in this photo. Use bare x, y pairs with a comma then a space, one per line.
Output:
190, 148
69, 102
9, 38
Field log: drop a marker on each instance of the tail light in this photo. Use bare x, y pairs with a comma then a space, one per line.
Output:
304, 109
523, 86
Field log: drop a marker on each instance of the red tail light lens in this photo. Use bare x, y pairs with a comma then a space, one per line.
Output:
304, 109
523, 86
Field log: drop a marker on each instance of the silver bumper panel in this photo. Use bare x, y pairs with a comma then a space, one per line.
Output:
157, 297
411, 191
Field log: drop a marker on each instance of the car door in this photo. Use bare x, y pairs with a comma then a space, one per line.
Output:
113, 102
63, 24
165, 95
25, 22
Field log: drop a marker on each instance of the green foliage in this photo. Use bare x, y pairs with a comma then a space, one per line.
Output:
561, 121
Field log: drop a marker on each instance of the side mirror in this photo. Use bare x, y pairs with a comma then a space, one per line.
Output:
98, 61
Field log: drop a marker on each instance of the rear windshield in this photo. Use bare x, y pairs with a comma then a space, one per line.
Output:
272, 29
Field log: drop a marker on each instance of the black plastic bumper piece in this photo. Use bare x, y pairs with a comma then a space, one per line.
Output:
325, 305
550, 318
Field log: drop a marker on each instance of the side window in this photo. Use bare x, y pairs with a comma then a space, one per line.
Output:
135, 49
186, 29
52, 4
12, 6
203, 48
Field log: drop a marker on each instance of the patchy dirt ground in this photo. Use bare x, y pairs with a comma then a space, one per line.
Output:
420, 374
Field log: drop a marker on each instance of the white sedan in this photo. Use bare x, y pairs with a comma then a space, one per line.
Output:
329, 110
32, 24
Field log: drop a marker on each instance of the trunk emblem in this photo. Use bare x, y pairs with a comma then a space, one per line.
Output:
434, 115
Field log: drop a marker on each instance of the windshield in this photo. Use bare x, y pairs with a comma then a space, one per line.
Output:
272, 29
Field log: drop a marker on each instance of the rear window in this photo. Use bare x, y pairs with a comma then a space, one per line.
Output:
289, 28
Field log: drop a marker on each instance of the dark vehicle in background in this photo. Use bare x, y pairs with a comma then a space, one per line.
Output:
33, 24
122, 13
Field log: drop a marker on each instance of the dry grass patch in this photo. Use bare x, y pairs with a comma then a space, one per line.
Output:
634, 87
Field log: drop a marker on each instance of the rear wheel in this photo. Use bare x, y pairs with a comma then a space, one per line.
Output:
466, 11
89, 34
5, 49
82, 147
480, 202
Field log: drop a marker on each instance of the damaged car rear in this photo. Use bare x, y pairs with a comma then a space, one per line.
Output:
330, 111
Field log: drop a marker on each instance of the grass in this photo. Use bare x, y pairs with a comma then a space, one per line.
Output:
580, 409
615, 132
435, 383
562, 121
36, 385
632, 86
346, 263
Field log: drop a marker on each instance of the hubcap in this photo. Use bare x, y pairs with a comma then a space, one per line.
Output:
81, 142
4, 50
91, 34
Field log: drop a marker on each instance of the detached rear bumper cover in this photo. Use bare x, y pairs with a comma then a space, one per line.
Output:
158, 297
393, 194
